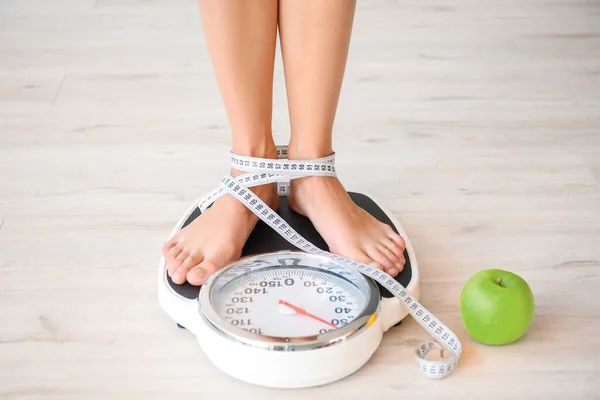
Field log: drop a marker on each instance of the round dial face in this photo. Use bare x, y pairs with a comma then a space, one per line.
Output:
285, 295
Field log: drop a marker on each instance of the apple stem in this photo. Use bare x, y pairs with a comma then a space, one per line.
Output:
500, 282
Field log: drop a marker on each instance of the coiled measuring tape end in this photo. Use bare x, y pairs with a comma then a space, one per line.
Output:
432, 368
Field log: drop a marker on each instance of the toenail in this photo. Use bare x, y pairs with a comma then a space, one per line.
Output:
400, 266
199, 273
393, 271
176, 277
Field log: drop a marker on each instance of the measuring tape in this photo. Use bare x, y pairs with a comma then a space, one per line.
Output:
259, 171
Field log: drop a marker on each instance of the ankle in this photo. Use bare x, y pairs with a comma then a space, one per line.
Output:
260, 148
308, 151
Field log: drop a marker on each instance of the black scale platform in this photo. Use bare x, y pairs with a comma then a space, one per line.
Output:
264, 239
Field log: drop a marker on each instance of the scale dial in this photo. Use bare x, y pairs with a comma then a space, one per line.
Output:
289, 297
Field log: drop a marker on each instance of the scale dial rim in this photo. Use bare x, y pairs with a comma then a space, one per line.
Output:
363, 320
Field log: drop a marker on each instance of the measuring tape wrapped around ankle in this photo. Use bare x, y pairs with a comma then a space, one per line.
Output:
260, 171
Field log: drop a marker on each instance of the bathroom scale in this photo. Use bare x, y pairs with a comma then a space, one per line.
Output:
289, 313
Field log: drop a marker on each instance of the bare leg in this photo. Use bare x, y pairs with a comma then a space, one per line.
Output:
315, 37
241, 38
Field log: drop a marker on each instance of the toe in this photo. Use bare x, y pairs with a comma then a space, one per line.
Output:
178, 261
198, 274
166, 248
400, 264
390, 255
171, 257
393, 247
191, 261
398, 240
381, 256
397, 254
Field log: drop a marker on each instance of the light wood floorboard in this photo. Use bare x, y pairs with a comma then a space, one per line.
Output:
476, 123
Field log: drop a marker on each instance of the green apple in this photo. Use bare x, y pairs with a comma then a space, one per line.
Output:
496, 306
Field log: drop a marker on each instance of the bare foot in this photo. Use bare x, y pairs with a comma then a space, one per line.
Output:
215, 238
347, 229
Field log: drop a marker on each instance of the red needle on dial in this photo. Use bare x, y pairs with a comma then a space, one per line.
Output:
304, 312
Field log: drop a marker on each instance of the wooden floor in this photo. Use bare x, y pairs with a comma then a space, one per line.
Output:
481, 119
